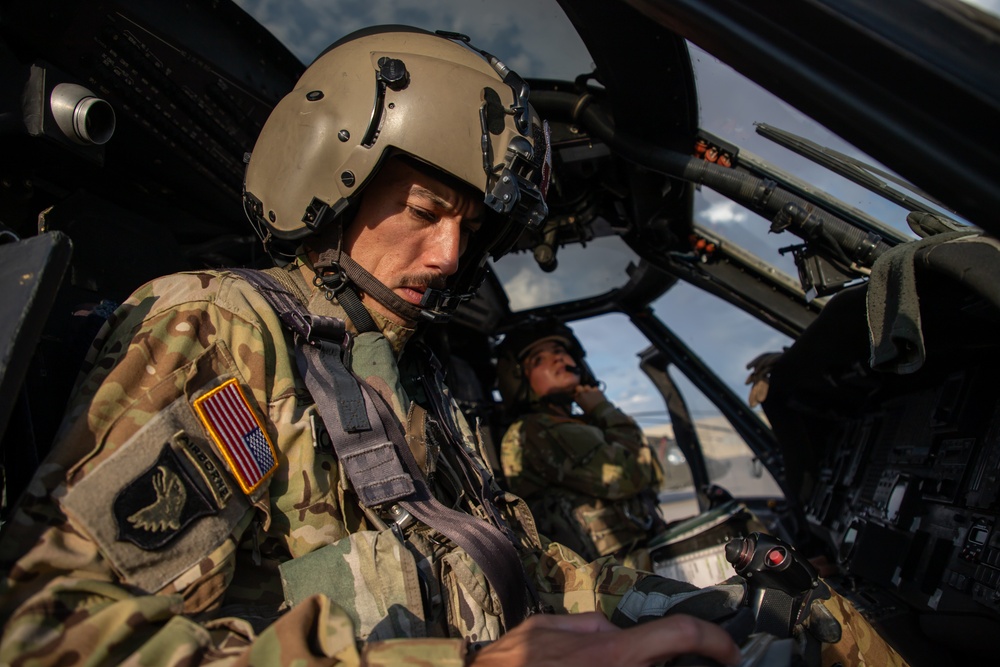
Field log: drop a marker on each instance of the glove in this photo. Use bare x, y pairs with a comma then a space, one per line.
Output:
727, 605
655, 596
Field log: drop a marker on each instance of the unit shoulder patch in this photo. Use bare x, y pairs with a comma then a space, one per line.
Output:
161, 502
156, 506
238, 433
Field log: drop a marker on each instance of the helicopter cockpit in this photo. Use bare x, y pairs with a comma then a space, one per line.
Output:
816, 181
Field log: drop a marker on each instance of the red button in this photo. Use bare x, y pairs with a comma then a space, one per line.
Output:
776, 556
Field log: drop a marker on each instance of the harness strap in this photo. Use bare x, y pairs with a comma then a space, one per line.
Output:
368, 456
492, 550
356, 311
374, 457
331, 334
440, 401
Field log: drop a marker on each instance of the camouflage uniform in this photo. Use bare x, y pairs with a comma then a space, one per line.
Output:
590, 480
860, 644
579, 473
144, 538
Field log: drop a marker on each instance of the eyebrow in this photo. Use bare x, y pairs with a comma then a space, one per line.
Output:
433, 196
438, 200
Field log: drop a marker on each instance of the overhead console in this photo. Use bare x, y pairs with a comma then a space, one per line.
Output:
899, 473
188, 86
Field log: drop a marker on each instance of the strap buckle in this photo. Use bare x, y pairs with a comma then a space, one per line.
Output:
332, 280
401, 520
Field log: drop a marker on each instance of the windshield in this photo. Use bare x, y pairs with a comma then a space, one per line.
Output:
532, 37
536, 39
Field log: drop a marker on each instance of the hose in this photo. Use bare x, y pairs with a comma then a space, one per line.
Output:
786, 210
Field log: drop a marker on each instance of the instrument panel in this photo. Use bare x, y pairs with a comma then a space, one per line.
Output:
898, 473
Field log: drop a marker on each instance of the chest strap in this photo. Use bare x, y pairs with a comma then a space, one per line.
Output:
371, 446
477, 480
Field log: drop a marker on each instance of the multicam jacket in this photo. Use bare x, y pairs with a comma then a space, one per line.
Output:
193, 511
590, 479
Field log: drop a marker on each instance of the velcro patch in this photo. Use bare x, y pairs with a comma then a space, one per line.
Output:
238, 433
128, 503
156, 506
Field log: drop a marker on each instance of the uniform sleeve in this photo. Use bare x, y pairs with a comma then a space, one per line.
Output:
569, 584
608, 459
618, 427
70, 591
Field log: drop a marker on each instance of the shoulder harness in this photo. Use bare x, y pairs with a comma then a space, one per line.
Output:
371, 445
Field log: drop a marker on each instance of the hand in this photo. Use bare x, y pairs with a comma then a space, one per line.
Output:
588, 397
590, 639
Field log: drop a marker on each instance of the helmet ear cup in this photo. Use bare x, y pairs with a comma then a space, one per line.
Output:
511, 383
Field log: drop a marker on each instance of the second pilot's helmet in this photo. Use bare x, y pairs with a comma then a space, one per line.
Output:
514, 349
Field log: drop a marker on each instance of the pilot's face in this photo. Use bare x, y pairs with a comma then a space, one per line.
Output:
410, 231
550, 369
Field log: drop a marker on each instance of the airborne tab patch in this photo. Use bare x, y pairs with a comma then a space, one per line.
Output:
241, 438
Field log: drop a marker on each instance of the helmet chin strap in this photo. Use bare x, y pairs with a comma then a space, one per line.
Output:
348, 274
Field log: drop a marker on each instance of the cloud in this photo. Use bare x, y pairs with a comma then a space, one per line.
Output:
525, 292
991, 6
534, 39
724, 212
578, 274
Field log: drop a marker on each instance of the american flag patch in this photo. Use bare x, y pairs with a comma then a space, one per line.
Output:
241, 438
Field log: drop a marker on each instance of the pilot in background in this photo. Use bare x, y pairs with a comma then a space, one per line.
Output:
259, 467
589, 476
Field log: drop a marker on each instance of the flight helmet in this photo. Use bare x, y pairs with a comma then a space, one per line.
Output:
396, 90
514, 348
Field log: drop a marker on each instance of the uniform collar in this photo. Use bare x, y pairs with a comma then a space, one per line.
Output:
316, 301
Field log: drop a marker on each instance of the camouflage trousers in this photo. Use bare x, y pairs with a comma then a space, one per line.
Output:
860, 645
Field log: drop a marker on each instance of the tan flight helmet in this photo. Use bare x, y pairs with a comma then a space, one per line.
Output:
399, 90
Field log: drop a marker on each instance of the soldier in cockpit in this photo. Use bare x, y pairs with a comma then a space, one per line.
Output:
583, 465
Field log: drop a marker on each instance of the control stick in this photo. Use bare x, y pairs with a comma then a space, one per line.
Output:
778, 580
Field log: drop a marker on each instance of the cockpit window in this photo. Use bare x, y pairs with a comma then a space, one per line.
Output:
534, 36
577, 275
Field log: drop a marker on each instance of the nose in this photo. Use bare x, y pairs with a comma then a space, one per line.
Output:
443, 248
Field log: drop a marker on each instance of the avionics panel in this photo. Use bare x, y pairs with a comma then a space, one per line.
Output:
898, 473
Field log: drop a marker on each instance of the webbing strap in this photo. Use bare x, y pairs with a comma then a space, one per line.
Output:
486, 544
356, 311
440, 400
368, 456
374, 458
329, 334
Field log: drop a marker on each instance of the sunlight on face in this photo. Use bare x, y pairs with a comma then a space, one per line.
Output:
550, 369
410, 231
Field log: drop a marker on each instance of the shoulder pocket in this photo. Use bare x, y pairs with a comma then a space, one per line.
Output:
166, 498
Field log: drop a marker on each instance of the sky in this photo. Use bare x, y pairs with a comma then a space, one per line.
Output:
534, 38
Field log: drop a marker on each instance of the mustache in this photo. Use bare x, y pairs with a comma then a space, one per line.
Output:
429, 279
